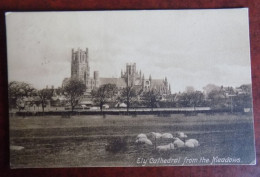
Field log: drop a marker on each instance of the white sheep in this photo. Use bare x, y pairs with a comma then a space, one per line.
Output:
165, 148
182, 135
178, 143
141, 136
189, 144
144, 141
167, 136
156, 135
194, 141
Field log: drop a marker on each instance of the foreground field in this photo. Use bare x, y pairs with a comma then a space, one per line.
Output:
54, 141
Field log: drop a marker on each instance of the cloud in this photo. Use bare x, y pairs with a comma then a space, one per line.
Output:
190, 47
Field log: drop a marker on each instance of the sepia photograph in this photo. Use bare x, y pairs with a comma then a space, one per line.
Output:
130, 88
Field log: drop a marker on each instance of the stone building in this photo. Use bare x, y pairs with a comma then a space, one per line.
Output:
80, 65
137, 79
80, 69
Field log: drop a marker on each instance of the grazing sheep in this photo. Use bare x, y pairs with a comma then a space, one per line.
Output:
144, 141
141, 136
156, 135
167, 136
194, 141
182, 135
178, 143
189, 144
165, 148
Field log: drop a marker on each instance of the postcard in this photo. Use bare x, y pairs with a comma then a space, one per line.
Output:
130, 88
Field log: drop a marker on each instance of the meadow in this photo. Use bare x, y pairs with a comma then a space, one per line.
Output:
95, 140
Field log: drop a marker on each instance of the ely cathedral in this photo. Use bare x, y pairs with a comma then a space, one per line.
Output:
80, 69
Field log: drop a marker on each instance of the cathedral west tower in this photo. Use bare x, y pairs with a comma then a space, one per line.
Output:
80, 66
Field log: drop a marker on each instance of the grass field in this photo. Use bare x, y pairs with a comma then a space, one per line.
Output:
53, 141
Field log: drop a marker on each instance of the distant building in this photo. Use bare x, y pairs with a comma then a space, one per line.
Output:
80, 69
80, 65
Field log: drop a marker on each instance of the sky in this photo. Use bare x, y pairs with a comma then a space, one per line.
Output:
189, 47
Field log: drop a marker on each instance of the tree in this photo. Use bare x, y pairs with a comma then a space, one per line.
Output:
191, 99
151, 97
73, 90
59, 91
243, 99
246, 88
196, 98
128, 95
217, 99
17, 92
104, 94
209, 88
44, 95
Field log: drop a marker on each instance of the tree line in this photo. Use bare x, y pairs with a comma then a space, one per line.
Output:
215, 97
